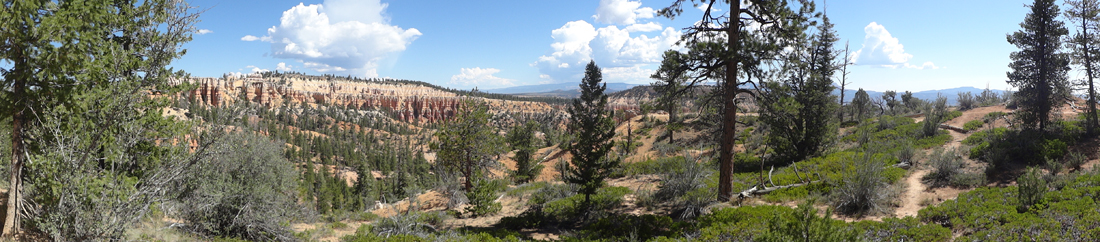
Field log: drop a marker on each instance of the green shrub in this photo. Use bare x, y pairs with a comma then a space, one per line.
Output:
409, 223
973, 125
1032, 186
677, 184
967, 101
244, 191
630, 228
483, 196
952, 115
906, 154
900, 229
1054, 149
526, 188
945, 164
804, 225
569, 208
864, 189
1075, 160
664, 148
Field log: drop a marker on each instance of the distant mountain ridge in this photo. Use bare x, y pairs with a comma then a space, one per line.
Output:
951, 94
567, 90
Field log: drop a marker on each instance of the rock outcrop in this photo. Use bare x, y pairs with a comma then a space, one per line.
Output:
405, 102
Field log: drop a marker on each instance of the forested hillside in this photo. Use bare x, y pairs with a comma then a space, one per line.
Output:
738, 138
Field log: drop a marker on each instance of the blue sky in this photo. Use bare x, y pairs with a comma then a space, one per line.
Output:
922, 45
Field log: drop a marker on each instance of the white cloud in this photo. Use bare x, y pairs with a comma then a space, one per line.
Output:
283, 67
646, 27
882, 49
926, 65
204, 31
254, 38
621, 12
714, 10
480, 77
338, 36
632, 74
256, 69
578, 42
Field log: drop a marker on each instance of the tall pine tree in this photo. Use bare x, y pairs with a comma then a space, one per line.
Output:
591, 122
1039, 69
1085, 46
793, 107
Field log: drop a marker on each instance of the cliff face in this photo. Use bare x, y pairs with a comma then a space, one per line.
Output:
405, 102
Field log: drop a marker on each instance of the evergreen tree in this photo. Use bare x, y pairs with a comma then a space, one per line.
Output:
670, 86
793, 107
861, 103
1039, 69
594, 128
522, 139
467, 143
1085, 46
741, 54
60, 50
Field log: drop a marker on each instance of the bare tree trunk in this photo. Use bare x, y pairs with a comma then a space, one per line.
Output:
843, 83
11, 218
729, 114
1092, 121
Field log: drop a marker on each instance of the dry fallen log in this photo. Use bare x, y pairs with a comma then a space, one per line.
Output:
956, 129
756, 191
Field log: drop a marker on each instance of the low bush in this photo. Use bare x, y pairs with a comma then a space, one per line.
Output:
864, 189
483, 196
945, 164
686, 188
967, 101
1066, 214
630, 228
1032, 187
570, 208
973, 125
664, 148
1075, 160
900, 229
952, 115
410, 223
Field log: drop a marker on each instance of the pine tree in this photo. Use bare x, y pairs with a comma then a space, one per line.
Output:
1085, 46
1039, 69
522, 139
59, 50
594, 128
861, 103
467, 142
742, 53
793, 107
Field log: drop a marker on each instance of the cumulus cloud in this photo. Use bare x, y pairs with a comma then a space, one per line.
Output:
256, 69
338, 36
882, 49
204, 31
480, 77
283, 67
254, 38
578, 42
621, 12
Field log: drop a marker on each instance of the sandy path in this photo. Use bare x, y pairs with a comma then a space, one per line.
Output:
916, 191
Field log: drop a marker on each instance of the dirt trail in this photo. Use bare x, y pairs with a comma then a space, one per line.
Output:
916, 191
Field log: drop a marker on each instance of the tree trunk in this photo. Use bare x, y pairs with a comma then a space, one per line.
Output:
11, 221
729, 114
843, 83
1092, 122
468, 170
